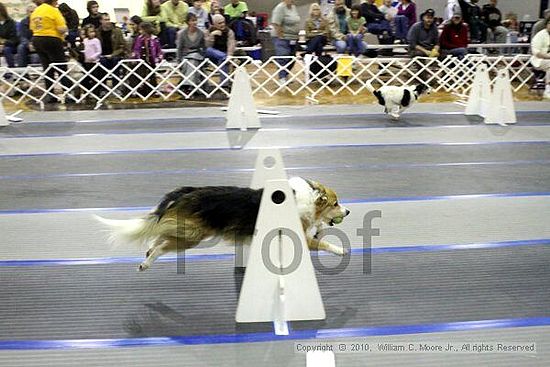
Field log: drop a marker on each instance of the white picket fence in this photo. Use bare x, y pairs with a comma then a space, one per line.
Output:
343, 74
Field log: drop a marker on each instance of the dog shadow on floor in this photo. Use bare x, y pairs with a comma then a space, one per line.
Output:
157, 319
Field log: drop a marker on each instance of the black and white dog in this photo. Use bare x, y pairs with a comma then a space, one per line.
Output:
397, 99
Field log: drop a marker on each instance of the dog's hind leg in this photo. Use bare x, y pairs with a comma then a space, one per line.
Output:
164, 246
158, 249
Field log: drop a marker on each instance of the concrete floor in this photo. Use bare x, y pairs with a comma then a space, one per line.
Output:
461, 255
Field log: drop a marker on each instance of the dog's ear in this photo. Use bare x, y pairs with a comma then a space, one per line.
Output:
320, 189
406, 99
380, 97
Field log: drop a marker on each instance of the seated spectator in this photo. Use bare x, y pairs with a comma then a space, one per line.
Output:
454, 38
471, 14
191, 48
112, 42
356, 27
540, 46
113, 46
200, 13
492, 17
317, 30
133, 29
541, 24
423, 36
376, 21
72, 21
147, 48
406, 9
235, 9
338, 23
93, 18
175, 12
8, 36
220, 43
154, 14
25, 35
215, 8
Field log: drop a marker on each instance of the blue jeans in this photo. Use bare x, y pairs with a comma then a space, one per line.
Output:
355, 44
457, 52
9, 55
401, 27
23, 54
171, 36
316, 44
341, 46
380, 27
284, 48
218, 57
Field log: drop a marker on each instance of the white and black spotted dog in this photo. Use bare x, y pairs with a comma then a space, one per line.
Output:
397, 99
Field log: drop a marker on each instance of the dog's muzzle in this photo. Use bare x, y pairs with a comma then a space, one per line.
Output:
332, 222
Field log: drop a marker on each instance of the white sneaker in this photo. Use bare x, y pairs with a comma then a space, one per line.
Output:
282, 82
546, 94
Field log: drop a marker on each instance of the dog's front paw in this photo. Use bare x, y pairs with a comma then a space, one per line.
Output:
143, 267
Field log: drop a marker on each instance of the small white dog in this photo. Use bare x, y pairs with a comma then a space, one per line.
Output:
397, 99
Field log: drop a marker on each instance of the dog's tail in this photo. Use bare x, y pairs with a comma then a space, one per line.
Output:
135, 231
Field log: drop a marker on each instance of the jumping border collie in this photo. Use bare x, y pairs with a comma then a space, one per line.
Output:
397, 99
188, 215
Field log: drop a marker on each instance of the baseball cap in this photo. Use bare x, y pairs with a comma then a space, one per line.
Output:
430, 12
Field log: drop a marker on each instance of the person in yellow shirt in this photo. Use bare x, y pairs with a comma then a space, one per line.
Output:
49, 29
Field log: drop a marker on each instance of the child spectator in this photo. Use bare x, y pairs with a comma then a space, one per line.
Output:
147, 48
317, 30
92, 54
354, 38
200, 13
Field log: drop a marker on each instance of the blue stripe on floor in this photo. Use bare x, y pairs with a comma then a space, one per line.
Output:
231, 256
202, 171
321, 334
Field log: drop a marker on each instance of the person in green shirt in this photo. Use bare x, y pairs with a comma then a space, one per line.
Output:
236, 9
175, 12
356, 29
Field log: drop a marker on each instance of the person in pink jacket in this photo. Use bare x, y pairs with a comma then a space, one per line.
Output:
147, 48
92, 54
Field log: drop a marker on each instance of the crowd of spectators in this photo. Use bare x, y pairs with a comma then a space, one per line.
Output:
201, 29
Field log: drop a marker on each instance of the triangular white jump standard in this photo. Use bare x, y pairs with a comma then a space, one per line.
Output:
501, 107
279, 284
269, 166
480, 94
241, 109
3, 118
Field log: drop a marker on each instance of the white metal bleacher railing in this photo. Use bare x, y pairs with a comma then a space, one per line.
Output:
134, 78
